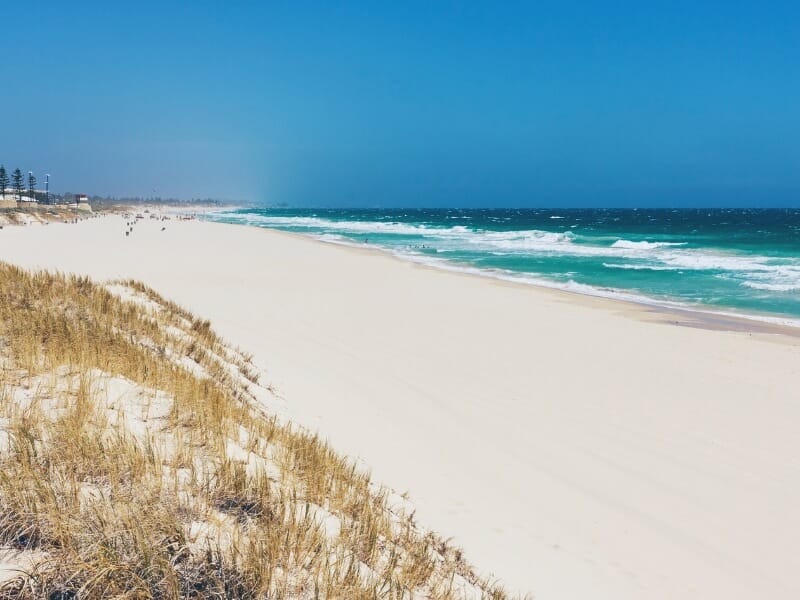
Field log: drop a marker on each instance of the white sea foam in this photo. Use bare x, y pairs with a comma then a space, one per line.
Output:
522, 241
777, 279
330, 237
363, 227
772, 287
635, 267
644, 245
718, 261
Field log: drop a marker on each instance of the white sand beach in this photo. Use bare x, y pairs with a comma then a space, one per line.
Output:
575, 447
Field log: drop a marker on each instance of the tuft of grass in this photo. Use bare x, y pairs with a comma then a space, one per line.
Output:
137, 462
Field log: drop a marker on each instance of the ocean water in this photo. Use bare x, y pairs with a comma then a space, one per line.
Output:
742, 261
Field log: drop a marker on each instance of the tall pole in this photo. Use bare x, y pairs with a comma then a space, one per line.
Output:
47, 188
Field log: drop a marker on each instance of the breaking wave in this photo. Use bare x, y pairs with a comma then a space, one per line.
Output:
644, 245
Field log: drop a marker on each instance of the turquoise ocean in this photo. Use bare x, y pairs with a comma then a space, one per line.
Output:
740, 261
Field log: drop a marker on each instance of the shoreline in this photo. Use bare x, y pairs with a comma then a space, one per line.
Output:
570, 446
684, 316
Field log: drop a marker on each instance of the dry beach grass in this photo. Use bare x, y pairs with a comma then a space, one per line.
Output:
137, 460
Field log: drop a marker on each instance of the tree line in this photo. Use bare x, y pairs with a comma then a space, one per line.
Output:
18, 181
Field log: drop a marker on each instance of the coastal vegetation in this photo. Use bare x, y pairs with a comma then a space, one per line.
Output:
31, 185
18, 184
16, 177
139, 458
3, 181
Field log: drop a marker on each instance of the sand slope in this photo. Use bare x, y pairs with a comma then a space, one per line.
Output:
573, 448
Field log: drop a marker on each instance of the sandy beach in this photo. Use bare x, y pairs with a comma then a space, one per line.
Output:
575, 447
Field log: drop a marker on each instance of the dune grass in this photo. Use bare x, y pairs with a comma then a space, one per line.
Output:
137, 461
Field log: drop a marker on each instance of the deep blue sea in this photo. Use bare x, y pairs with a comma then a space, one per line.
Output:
728, 260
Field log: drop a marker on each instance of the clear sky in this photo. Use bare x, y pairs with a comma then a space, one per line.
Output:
408, 104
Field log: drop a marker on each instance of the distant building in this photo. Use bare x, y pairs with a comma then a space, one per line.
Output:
82, 202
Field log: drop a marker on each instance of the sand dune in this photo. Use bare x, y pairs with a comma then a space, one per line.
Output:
575, 447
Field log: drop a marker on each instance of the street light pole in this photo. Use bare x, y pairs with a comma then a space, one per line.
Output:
47, 188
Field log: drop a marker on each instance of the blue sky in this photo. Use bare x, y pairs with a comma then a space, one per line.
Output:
409, 104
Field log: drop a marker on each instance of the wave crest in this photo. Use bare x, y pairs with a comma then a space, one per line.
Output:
644, 245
